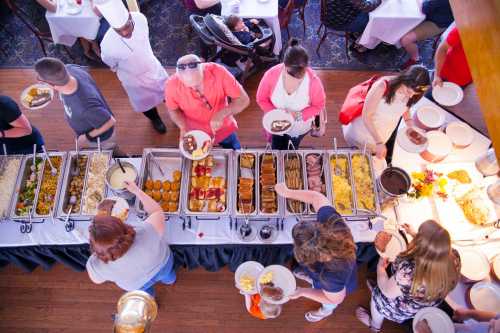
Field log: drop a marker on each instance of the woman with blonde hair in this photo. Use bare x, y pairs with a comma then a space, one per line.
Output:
326, 253
423, 276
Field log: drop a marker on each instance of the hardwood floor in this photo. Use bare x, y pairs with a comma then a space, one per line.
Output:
61, 300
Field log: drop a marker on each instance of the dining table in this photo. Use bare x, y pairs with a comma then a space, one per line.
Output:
67, 24
266, 10
390, 21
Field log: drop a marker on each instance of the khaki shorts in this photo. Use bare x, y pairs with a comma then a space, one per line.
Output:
109, 144
426, 29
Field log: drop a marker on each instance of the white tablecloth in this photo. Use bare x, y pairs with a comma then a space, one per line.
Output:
268, 11
416, 212
66, 28
391, 21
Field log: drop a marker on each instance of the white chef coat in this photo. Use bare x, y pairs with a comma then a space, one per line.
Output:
141, 74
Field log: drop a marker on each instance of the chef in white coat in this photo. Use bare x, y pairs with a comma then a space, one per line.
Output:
126, 49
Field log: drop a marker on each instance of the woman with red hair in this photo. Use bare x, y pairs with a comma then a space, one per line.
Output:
132, 257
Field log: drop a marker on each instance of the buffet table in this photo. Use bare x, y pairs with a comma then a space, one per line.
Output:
414, 212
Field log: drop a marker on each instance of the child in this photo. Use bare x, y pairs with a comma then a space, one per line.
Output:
246, 32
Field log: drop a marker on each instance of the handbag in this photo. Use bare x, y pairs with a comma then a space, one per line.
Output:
355, 100
318, 127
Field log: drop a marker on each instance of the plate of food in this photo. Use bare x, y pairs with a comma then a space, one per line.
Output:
437, 320
246, 276
114, 206
195, 145
412, 139
275, 284
277, 122
37, 96
389, 244
448, 95
485, 296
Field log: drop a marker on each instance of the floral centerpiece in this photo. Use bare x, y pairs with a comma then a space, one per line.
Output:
428, 183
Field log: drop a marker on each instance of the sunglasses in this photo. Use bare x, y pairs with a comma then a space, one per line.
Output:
191, 65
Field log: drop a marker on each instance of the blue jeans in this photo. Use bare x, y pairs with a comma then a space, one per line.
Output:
166, 275
231, 142
280, 142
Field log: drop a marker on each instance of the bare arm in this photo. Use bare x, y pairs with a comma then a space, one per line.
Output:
439, 58
178, 118
21, 127
203, 4
316, 199
374, 96
50, 5
106, 126
236, 106
152, 208
462, 314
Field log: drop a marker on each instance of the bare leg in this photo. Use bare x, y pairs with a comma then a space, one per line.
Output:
86, 48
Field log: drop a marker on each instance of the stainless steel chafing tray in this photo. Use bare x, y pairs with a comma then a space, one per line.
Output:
159, 164
280, 202
8, 191
235, 192
323, 175
346, 174
286, 157
370, 190
222, 167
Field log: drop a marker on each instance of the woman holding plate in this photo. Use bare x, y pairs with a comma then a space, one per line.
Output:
423, 276
326, 253
294, 87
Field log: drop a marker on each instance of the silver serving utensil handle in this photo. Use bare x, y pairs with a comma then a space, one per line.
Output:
53, 170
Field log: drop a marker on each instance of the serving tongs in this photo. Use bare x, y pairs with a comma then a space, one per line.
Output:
27, 227
336, 169
153, 160
291, 147
75, 170
53, 170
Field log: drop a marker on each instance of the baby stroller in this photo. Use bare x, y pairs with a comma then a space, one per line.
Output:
213, 32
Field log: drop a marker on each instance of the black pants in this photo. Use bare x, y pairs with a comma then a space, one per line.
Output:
152, 114
280, 142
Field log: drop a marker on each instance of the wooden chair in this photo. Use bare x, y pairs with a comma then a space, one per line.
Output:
324, 15
42, 36
299, 7
285, 15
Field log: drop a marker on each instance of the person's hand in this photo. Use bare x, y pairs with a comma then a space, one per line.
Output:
437, 81
409, 229
422, 327
381, 150
281, 189
461, 314
82, 140
297, 294
131, 186
216, 122
382, 264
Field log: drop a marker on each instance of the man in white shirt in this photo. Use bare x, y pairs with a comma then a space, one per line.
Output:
126, 49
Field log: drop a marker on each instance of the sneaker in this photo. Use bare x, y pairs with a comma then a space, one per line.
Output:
320, 314
300, 274
159, 126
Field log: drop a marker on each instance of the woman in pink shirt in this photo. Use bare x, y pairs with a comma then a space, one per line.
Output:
292, 86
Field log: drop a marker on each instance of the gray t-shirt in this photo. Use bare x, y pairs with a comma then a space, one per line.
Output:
86, 109
147, 255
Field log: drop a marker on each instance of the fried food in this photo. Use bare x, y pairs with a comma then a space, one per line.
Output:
189, 143
363, 182
149, 184
157, 185
206, 192
246, 184
268, 197
460, 175
37, 96
293, 180
166, 185
474, 207
381, 240
280, 126
273, 293
266, 278
168, 193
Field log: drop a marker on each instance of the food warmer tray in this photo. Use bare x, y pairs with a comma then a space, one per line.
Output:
284, 155
23, 174
3, 160
326, 166
360, 211
330, 173
223, 159
64, 196
168, 159
256, 187
279, 178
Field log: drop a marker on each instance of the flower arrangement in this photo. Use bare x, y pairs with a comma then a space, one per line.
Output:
428, 183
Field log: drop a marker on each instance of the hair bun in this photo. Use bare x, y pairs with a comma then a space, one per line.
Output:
293, 42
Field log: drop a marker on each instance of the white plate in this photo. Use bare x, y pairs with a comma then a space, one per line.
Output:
485, 296
395, 246
404, 141
200, 138
250, 268
448, 95
37, 85
431, 116
273, 115
437, 320
460, 134
475, 265
282, 278
120, 209
73, 10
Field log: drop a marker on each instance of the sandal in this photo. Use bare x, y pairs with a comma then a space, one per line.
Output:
315, 316
363, 316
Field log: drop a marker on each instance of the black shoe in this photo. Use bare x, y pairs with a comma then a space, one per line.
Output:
159, 126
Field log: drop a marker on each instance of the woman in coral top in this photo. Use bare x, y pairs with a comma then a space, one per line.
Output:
292, 86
